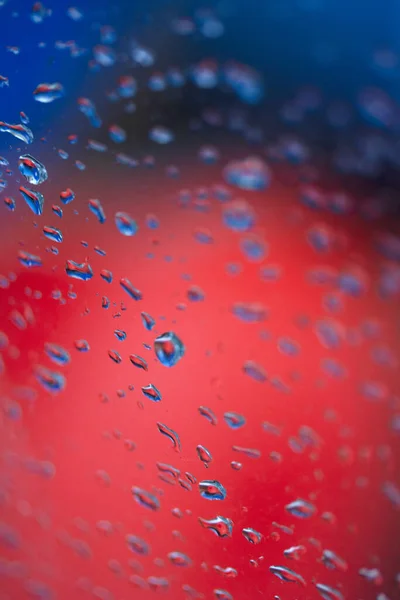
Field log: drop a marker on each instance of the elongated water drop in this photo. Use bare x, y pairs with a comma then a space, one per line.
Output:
52, 381
29, 260
48, 92
57, 353
147, 321
136, 544
221, 526
32, 169
234, 420
294, 552
287, 575
329, 593
19, 131
133, 292
35, 200
169, 348
208, 414
301, 509
171, 434
97, 209
146, 499
333, 561
67, 196
179, 559
212, 490
139, 362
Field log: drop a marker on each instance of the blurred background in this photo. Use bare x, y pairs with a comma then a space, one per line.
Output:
227, 172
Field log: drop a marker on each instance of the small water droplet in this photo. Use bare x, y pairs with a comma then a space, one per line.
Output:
169, 348
171, 434
139, 362
301, 509
48, 92
82, 271
52, 233
204, 455
287, 575
221, 526
133, 292
52, 381
57, 353
151, 392
212, 490
179, 559
32, 169
328, 593
125, 224
145, 499
35, 200
137, 544
234, 420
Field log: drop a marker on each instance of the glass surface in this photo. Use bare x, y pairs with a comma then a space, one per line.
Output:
199, 300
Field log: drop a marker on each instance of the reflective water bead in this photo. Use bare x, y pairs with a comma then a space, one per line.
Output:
222, 595
208, 414
151, 392
137, 545
67, 196
81, 271
249, 174
234, 420
329, 593
139, 362
294, 552
169, 348
133, 292
145, 499
212, 490
238, 215
82, 345
52, 381
287, 575
255, 371
147, 321
204, 455
125, 224
48, 92
251, 535
35, 200
221, 526
179, 559
97, 209
19, 131
32, 169
161, 135
29, 260
52, 233
301, 509
171, 434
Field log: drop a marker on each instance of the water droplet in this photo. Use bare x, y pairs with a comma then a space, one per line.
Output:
76, 270
52, 233
88, 108
146, 499
179, 559
238, 215
57, 353
204, 455
301, 509
52, 381
19, 131
195, 294
135, 543
35, 200
133, 292
151, 392
208, 414
169, 349
104, 55
254, 371
120, 334
139, 362
234, 420
248, 174
328, 593
161, 135
106, 275
171, 434
221, 526
32, 169
373, 575
97, 209
250, 452
82, 345
250, 312
29, 260
222, 595
251, 535
332, 561
228, 572
115, 356
212, 490
48, 92
125, 224
287, 575
294, 552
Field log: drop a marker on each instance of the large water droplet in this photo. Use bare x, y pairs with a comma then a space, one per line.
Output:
32, 169
19, 131
48, 92
169, 348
